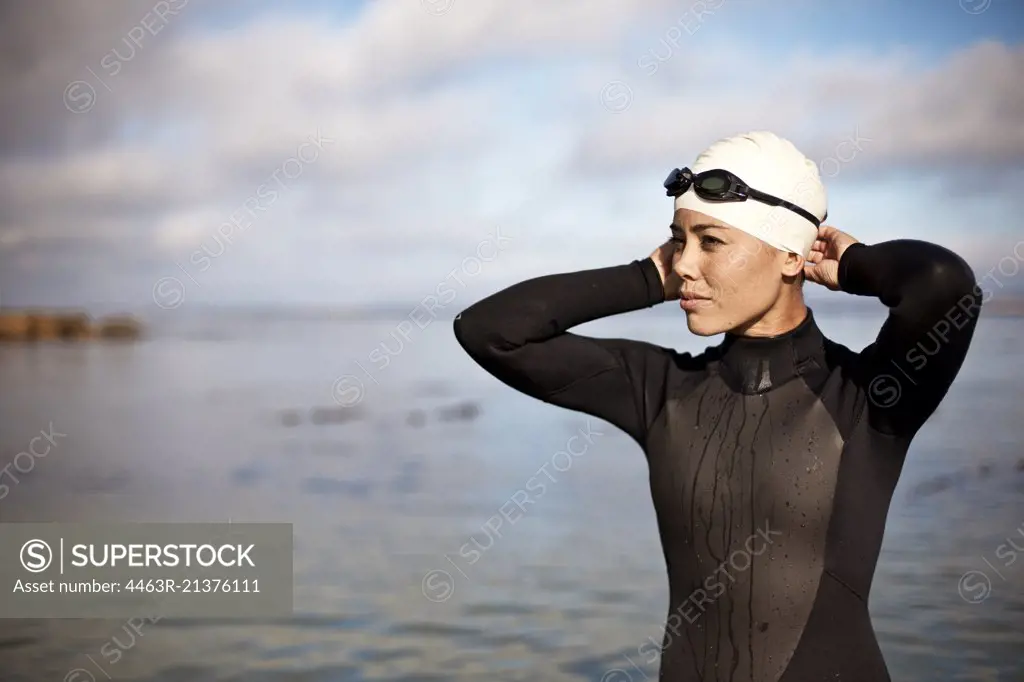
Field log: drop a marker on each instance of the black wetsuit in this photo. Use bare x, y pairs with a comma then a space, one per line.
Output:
772, 460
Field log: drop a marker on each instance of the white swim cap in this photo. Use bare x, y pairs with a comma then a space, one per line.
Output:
773, 165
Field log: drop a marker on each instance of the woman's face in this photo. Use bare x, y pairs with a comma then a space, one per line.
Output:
730, 278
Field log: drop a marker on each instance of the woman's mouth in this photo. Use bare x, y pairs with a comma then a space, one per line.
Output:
691, 302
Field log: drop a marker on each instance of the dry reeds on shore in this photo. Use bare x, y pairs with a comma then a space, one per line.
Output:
29, 326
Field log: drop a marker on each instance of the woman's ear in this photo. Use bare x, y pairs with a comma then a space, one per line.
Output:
793, 265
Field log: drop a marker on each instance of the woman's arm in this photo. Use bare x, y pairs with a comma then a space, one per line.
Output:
519, 335
934, 303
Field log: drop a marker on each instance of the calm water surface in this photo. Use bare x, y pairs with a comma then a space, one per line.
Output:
233, 416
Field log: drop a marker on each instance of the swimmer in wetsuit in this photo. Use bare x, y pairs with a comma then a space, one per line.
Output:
773, 456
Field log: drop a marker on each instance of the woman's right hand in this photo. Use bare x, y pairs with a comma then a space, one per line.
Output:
662, 258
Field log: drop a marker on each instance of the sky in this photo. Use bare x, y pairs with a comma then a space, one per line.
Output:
188, 152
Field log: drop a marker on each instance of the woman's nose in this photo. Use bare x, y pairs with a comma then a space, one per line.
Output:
686, 263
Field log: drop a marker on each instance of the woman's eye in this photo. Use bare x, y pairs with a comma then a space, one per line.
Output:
710, 241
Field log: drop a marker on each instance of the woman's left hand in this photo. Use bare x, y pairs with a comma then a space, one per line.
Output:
822, 266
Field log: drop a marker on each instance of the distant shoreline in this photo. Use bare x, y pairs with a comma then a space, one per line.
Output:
831, 303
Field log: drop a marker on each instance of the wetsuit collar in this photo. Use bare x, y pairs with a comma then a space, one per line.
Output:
757, 364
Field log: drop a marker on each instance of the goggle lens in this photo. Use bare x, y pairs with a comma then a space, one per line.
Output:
715, 184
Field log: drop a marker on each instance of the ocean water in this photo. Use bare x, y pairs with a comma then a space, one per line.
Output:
234, 415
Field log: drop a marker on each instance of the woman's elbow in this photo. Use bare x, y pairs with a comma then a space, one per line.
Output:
462, 326
949, 276
951, 283
472, 333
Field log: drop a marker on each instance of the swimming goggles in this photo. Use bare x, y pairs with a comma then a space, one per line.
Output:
721, 185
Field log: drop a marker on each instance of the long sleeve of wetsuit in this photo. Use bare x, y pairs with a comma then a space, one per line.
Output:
933, 302
519, 335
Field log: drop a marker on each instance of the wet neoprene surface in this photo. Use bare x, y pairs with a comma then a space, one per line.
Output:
772, 461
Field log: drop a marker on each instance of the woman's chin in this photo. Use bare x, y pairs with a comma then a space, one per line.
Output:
701, 322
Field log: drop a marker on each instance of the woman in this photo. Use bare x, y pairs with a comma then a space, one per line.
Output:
773, 455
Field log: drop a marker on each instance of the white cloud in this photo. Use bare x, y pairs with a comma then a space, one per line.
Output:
967, 109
